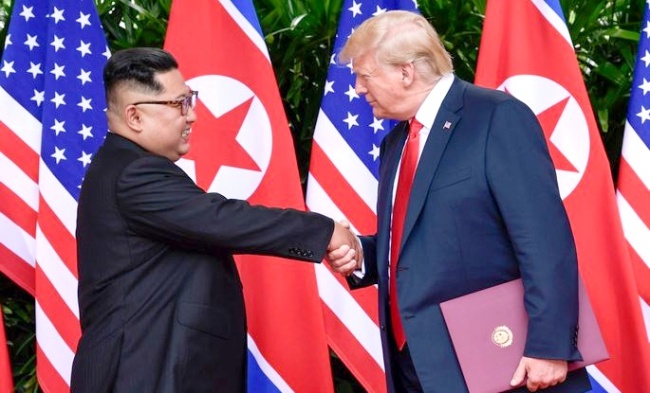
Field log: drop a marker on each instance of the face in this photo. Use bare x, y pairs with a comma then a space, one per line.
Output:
164, 130
383, 86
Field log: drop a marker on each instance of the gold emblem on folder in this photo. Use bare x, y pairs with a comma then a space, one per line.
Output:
502, 336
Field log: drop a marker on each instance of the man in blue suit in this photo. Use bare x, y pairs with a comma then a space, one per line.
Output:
467, 202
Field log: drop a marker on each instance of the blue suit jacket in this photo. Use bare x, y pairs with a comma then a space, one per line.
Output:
484, 209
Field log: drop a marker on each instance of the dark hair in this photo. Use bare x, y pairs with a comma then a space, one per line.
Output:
137, 67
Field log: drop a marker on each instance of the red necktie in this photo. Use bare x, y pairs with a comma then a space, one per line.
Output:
404, 182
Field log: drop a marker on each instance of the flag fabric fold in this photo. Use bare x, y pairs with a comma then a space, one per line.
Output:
242, 148
342, 184
520, 38
633, 188
6, 379
51, 123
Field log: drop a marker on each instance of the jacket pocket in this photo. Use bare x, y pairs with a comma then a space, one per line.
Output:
203, 318
446, 179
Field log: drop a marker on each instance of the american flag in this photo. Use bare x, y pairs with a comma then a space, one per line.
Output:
51, 122
633, 194
342, 184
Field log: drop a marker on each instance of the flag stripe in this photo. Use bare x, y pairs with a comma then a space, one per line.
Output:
48, 377
14, 178
15, 150
15, 209
58, 199
62, 242
602, 384
636, 154
17, 241
244, 23
16, 268
363, 366
56, 271
553, 14
634, 191
642, 274
340, 302
53, 346
57, 309
340, 192
19, 120
275, 381
347, 162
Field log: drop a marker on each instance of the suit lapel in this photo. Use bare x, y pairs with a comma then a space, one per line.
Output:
446, 120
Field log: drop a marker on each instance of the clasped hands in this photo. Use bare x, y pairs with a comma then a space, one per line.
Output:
344, 252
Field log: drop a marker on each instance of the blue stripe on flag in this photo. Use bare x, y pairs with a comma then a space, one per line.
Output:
257, 378
248, 11
595, 387
555, 5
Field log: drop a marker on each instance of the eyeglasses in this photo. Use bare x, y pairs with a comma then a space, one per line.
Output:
184, 103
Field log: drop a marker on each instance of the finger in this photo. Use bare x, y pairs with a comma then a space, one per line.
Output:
338, 253
345, 223
519, 375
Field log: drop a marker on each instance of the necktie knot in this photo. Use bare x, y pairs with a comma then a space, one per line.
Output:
414, 128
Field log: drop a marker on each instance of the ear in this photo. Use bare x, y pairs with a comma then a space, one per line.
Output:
133, 118
408, 73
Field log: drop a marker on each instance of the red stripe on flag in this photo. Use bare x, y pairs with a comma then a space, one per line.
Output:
48, 378
341, 193
17, 210
642, 275
366, 297
353, 354
19, 271
6, 380
634, 191
57, 310
17, 151
59, 237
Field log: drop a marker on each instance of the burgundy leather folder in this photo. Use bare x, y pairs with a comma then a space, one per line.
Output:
488, 330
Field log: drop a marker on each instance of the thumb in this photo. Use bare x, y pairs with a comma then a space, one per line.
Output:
520, 374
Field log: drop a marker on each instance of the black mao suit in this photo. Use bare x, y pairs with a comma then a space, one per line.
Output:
161, 303
484, 209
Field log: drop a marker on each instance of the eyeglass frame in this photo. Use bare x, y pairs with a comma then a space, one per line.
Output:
183, 103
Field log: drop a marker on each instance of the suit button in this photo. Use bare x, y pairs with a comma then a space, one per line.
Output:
383, 328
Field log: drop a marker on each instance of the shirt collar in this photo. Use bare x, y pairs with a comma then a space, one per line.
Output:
429, 108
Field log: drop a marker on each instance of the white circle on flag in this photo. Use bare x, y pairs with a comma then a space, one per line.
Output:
571, 134
221, 94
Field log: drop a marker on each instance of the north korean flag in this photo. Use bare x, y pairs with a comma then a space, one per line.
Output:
242, 148
526, 50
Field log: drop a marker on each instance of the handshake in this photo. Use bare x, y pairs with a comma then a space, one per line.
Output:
344, 252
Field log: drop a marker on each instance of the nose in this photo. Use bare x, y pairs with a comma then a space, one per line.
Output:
359, 86
191, 117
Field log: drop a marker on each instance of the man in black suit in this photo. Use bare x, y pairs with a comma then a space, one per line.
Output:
161, 303
480, 206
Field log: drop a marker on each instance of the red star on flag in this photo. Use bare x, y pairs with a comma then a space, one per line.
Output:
549, 119
213, 143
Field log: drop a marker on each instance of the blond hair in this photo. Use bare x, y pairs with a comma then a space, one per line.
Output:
400, 37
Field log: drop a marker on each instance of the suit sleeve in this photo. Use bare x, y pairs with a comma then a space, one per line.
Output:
369, 263
522, 179
158, 200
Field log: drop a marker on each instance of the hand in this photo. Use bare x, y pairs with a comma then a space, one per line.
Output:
541, 373
342, 260
344, 251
